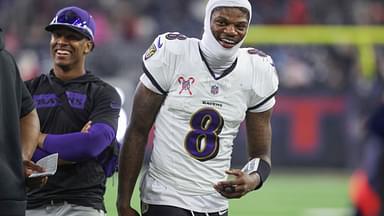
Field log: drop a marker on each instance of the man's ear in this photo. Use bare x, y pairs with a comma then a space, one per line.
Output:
89, 47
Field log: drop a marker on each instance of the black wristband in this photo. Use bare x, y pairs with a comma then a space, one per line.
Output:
261, 167
264, 169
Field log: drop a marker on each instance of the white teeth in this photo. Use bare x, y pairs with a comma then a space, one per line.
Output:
62, 52
228, 41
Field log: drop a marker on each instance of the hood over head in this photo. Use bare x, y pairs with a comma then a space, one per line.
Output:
210, 46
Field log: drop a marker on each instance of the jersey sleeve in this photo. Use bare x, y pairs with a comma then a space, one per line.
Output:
149, 84
27, 104
265, 84
159, 62
107, 107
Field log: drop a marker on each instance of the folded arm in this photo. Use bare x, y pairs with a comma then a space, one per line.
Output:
77, 146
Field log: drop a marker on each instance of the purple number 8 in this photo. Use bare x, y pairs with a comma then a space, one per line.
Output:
202, 142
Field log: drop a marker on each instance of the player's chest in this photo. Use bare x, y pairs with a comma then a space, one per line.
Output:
76, 100
194, 88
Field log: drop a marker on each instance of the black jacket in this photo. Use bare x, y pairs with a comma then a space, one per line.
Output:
82, 183
15, 102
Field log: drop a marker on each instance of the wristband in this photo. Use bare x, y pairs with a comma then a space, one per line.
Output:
259, 166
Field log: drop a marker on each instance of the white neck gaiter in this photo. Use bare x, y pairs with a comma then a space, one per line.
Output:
218, 57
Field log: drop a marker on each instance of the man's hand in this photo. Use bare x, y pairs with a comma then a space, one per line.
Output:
86, 127
36, 182
239, 186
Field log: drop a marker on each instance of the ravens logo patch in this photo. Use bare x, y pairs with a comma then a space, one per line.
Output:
150, 52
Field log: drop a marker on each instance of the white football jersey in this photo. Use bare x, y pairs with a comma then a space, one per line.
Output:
201, 115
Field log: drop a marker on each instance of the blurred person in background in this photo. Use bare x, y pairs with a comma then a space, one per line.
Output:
78, 116
197, 93
367, 182
19, 131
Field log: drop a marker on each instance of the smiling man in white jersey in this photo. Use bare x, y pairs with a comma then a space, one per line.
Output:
196, 93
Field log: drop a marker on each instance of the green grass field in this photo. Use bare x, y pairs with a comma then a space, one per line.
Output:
317, 193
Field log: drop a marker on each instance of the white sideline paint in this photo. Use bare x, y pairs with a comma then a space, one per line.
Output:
327, 212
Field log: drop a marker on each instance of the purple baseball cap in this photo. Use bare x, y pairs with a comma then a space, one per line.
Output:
74, 18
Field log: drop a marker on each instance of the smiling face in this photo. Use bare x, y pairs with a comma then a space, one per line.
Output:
229, 25
69, 48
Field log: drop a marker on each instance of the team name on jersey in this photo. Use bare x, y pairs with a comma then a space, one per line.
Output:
212, 103
75, 100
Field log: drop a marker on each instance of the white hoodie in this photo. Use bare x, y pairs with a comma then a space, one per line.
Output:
218, 57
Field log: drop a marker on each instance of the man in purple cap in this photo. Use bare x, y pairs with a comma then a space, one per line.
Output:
78, 116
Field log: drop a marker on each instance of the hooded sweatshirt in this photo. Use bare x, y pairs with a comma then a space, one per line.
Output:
218, 57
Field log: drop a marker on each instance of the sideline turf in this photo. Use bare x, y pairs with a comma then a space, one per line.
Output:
297, 193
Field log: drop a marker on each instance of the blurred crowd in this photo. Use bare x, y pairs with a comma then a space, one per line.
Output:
125, 28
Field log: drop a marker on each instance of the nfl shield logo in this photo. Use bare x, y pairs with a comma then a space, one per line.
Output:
214, 89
